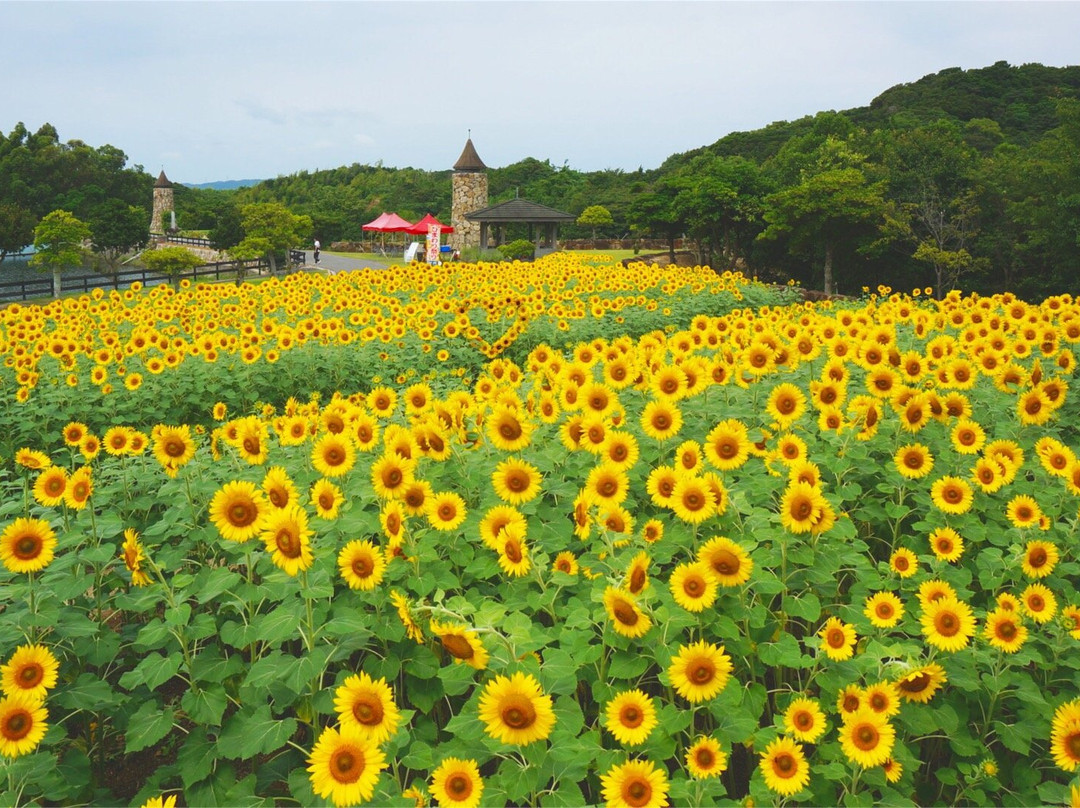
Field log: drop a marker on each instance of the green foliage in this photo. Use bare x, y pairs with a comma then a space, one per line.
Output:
270, 229
595, 216
59, 244
16, 229
118, 229
171, 261
521, 249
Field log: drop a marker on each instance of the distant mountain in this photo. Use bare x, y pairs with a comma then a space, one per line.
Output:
222, 185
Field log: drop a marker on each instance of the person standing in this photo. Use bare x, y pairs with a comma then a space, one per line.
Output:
317, 248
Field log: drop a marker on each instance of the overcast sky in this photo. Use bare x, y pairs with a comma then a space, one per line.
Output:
216, 91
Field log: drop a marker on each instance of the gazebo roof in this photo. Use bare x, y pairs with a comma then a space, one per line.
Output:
162, 181
520, 210
469, 160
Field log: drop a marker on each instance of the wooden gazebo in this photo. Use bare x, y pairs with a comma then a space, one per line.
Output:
543, 223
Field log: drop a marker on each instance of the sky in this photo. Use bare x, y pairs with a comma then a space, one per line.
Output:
253, 90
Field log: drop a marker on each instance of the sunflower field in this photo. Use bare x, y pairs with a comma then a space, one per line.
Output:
546, 534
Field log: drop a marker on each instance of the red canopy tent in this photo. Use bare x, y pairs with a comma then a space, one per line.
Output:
421, 227
387, 223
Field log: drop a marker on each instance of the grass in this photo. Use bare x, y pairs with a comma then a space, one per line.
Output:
613, 255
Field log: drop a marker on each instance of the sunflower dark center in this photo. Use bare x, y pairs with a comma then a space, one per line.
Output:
347, 765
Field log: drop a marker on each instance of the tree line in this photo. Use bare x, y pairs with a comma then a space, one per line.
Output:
963, 178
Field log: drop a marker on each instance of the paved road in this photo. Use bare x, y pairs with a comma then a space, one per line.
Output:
337, 263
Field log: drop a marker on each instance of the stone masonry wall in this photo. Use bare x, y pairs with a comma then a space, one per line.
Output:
469, 192
163, 203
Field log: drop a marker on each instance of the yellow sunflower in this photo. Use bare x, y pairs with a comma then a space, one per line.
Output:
804, 720
785, 405
27, 545
802, 507
904, 562
333, 455
607, 485
462, 643
630, 717
1040, 558
132, 553
967, 436
635, 784
1065, 736
391, 474
837, 639
784, 767
173, 447
344, 766
515, 710
1038, 603
951, 495
446, 511
920, 685
729, 562
456, 783
327, 499
514, 556
287, 537
566, 563
1004, 630
946, 544
692, 500
31, 670
727, 446
23, 724
706, 758
362, 564
366, 706
913, 461
660, 485
867, 738
516, 481
948, 624
882, 698
401, 604
50, 485
661, 420
507, 431
1023, 511
694, 586
637, 574
884, 609
622, 609
495, 520
237, 510
699, 671
850, 700
80, 486
278, 488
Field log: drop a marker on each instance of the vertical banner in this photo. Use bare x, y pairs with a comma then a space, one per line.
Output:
433, 231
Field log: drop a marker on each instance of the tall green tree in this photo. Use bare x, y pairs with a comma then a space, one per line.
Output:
271, 229
16, 229
59, 244
595, 216
823, 212
118, 230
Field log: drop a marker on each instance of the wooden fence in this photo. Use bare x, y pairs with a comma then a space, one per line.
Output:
11, 291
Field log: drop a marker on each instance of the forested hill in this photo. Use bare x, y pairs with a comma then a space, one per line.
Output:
1020, 100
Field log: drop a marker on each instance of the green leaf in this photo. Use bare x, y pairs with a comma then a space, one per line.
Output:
219, 580
154, 670
147, 726
558, 674
196, 757
205, 705
254, 731
279, 625
271, 668
806, 607
89, 693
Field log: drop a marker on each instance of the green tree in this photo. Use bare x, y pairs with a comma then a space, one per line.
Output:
654, 212
595, 216
59, 240
824, 211
171, 261
16, 229
118, 229
271, 229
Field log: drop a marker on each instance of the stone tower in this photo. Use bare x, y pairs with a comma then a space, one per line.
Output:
163, 203
469, 192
